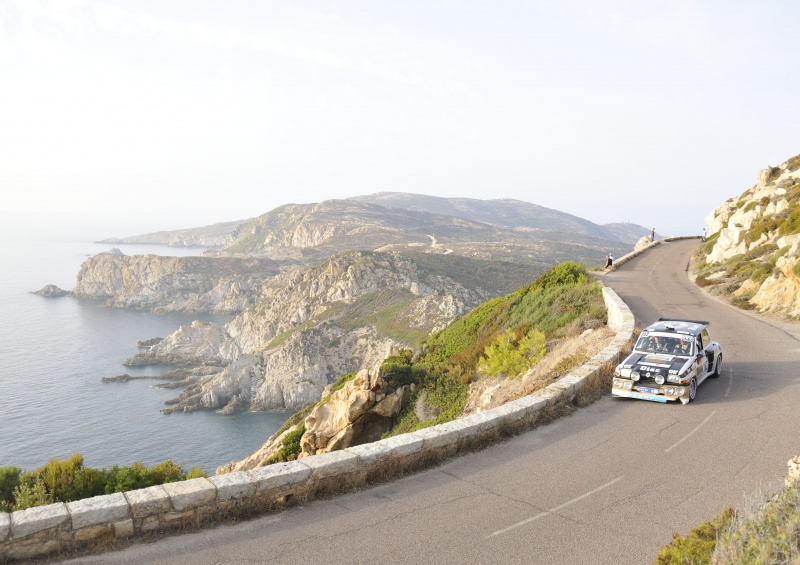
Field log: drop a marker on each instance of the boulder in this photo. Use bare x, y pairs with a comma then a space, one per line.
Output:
51, 291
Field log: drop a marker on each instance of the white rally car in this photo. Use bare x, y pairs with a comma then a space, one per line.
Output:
670, 359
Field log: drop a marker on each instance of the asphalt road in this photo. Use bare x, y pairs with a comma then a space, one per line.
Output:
608, 484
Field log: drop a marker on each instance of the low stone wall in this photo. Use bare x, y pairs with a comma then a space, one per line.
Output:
625, 258
98, 521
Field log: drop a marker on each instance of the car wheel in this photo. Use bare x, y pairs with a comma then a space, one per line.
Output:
692, 392
718, 366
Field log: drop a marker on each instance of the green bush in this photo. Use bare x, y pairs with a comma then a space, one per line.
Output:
791, 224
291, 447
9, 481
65, 480
696, 548
510, 356
562, 274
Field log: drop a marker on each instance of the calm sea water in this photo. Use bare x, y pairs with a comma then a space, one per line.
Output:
53, 353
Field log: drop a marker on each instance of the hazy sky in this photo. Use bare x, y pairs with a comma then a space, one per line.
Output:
144, 115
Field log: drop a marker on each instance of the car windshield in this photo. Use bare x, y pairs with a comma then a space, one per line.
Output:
666, 345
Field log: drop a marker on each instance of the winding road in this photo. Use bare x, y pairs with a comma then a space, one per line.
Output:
608, 484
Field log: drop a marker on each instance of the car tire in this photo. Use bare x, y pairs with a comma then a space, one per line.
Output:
717, 366
692, 391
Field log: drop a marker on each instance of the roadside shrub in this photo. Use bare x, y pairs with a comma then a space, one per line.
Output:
511, 356
770, 535
291, 447
9, 481
65, 480
28, 495
565, 273
696, 547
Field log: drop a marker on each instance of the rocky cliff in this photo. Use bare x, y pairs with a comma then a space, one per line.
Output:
175, 284
753, 252
323, 323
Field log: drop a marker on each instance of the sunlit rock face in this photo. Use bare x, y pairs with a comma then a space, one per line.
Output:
359, 412
765, 217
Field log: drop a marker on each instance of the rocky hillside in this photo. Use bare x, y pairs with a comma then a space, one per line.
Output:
213, 237
752, 255
175, 284
323, 323
321, 290
377, 220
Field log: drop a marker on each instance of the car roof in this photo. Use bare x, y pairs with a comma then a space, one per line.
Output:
674, 325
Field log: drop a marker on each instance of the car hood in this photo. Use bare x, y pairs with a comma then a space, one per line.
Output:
655, 363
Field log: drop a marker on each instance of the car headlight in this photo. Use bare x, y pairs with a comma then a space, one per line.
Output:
625, 373
628, 385
673, 379
634, 375
679, 391
670, 390
660, 379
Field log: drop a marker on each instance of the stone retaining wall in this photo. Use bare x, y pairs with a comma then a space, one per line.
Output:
72, 526
625, 258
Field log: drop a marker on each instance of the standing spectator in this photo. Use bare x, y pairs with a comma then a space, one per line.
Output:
704, 234
653, 235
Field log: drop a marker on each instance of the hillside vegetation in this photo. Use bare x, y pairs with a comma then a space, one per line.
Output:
502, 339
65, 480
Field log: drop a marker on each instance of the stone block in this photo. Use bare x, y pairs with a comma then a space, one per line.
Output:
124, 528
186, 495
29, 551
564, 390
98, 510
369, 453
92, 532
280, 476
532, 405
332, 463
509, 413
148, 501
439, 437
549, 396
234, 486
151, 523
402, 445
37, 519
466, 427
5, 526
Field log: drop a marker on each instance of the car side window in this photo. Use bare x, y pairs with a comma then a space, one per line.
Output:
704, 337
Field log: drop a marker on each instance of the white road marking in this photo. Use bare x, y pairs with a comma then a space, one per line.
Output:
684, 438
556, 509
730, 383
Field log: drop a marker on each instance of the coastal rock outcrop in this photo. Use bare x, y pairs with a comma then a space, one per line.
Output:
51, 291
358, 412
196, 344
174, 284
323, 323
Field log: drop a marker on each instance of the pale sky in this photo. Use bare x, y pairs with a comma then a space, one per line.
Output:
146, 115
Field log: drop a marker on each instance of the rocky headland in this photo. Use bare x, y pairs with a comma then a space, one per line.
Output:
325, 289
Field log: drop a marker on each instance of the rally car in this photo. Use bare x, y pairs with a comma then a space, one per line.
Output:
670, 359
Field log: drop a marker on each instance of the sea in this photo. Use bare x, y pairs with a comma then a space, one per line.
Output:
55, 351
